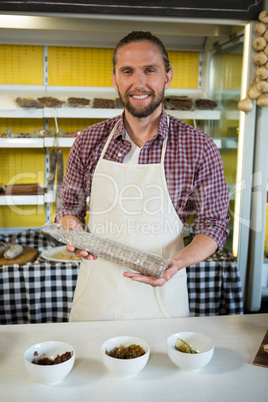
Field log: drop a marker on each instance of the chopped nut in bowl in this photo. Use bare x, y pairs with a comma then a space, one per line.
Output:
49, 362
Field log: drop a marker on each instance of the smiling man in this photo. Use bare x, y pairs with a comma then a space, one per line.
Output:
145, 173
141, 86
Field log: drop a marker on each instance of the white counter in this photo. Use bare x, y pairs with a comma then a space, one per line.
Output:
230, 376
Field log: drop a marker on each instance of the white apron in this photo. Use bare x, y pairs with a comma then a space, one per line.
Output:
130, 204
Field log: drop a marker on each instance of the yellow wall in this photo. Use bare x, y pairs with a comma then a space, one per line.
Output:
93, 67
21, 65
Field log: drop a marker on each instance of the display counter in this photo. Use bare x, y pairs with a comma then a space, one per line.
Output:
229, 376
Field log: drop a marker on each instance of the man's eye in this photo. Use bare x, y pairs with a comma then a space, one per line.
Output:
127, 72
150, 70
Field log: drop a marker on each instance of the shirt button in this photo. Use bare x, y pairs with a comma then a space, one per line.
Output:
119, 154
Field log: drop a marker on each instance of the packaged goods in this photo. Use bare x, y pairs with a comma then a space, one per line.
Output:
142, 261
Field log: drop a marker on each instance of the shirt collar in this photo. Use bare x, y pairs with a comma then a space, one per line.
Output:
162, 128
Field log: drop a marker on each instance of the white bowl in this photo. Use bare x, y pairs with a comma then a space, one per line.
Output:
191, 361
125, 367
48, 374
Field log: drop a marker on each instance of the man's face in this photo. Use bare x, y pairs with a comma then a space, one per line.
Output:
140, 78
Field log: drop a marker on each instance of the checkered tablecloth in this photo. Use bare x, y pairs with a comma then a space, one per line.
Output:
42, 291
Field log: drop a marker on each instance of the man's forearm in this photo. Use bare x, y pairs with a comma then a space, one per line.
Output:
200, 248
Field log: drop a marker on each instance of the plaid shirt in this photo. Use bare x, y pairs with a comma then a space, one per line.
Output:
193, 168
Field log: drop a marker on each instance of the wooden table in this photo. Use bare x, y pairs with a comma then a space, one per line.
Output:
230, 376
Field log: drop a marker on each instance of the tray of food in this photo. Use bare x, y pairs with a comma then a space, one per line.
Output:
59, 254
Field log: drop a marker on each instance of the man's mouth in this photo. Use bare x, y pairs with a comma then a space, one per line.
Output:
140, 97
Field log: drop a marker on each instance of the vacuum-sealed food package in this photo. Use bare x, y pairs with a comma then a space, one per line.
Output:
147, 263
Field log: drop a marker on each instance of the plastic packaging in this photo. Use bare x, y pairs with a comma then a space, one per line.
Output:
142, 261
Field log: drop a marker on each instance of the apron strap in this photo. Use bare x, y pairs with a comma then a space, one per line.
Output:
164, 146
108, 140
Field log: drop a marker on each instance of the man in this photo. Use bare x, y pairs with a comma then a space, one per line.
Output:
145, 173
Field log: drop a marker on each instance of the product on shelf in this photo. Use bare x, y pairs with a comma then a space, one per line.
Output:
103, 103
42, 133
63, 134
72, 101
16, 135
72, 134
178, 103
24, 189
37, 133
205, 104
49, 101
28, 102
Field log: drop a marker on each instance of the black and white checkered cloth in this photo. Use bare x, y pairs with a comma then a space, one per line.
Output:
37, 293
214, 288
31, 238
42, 291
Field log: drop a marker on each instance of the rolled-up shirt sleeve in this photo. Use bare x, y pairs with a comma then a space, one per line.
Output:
210, 198
75, 189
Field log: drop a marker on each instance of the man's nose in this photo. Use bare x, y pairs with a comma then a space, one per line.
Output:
139, 79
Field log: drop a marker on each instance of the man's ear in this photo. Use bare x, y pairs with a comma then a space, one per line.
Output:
114, 82
169, 78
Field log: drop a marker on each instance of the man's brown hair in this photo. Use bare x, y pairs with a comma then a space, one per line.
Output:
143, 36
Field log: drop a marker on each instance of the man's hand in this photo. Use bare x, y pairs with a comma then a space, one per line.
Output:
80, 253
73, 223
199, 249
151, 280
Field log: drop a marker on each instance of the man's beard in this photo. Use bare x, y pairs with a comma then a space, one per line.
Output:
145, 111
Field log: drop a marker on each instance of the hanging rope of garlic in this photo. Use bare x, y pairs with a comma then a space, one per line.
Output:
258, 88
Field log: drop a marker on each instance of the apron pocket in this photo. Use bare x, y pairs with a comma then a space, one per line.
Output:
172, 298
82, 280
